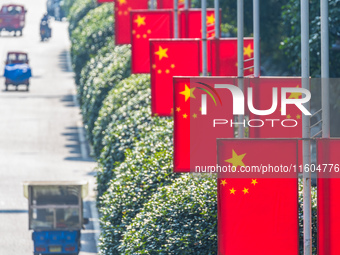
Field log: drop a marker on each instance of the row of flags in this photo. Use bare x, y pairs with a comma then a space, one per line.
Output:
256, 215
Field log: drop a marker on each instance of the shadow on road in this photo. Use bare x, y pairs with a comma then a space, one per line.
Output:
68, 99
63, 62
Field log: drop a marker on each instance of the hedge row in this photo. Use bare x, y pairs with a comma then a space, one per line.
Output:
144, 207
133, 150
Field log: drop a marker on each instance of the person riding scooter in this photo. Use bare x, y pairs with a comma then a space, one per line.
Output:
45, 30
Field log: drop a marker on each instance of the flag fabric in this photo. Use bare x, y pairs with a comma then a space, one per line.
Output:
170, 57
148, 25
328, 196
224, 56
194, 131
257, 215
190, 26
122, 18
169, 4
283, 126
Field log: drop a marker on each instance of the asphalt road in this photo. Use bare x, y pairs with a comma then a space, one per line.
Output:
39, 131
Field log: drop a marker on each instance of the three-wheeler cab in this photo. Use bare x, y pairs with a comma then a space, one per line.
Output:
12, 18
56, 215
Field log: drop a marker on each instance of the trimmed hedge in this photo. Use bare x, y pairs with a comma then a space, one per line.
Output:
78, 10
178, 219
100, 81
117, 97
146, 167
90, 35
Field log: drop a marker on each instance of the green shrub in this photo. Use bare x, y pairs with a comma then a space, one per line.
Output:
146, 167
90, 35
117, 97
132, 121
94, 67
76, 10
178, 219
116, 68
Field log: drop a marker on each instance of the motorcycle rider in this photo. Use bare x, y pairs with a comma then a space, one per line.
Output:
45, 30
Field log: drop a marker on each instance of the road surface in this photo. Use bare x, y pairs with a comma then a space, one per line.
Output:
39, 131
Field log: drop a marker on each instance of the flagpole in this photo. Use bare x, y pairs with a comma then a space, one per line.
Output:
217, 19
325, 70
176, 18
186, 4
306, 127
240, 71
256, 24
204, 37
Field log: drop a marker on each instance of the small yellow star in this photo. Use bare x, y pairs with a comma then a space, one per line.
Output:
149, 31
236, 160
178, 109
140, 21
245, 191
247, 51
138, 36
121, 2
144, 36
172, 66
254, 181
295, 95
133, 32
125, 13
188, 93
159, 71
200, 109
153, 66
185, 116
167, 71
288, 116
298, 116
232, 191
211, 19
223, 182
120, 13
194, 115
162, 53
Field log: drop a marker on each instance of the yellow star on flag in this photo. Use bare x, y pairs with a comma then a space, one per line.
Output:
245, 191
188, 93
121, 2
295, 95
247, 51
178, 109
185, 115
298, 116
254, 181
161, 53
140, 20
236, 160
211, 19
194, 115
232, 191
223, 182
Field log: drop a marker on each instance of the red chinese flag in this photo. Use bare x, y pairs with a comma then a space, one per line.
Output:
257, 215
275, 125
328, 196
169, 4
122, 18
148, 25
170, 58
224, 56
194, 131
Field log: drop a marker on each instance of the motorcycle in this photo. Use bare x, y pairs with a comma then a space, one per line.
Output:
45, 31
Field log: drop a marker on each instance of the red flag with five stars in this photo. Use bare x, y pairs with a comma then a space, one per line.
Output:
190, 26
169, 4
122, 18
167, 57
194, 132
224, 56
328, 165
257, 215
147, 25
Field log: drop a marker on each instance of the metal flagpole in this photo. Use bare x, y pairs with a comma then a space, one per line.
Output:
256, 24
186, 4
240, 35
304, 5
217, 19
325, 70
204, 37
176, 18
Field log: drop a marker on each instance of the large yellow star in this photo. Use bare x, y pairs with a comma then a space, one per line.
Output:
247, 51
140, 20
121, 2
223, 182
162, 53
236, 160
295, 95
211, 19
187, 92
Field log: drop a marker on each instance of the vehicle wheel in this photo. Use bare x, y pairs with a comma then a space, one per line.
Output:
6, 87
27, 88
20, 32
16, 88
15, 33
